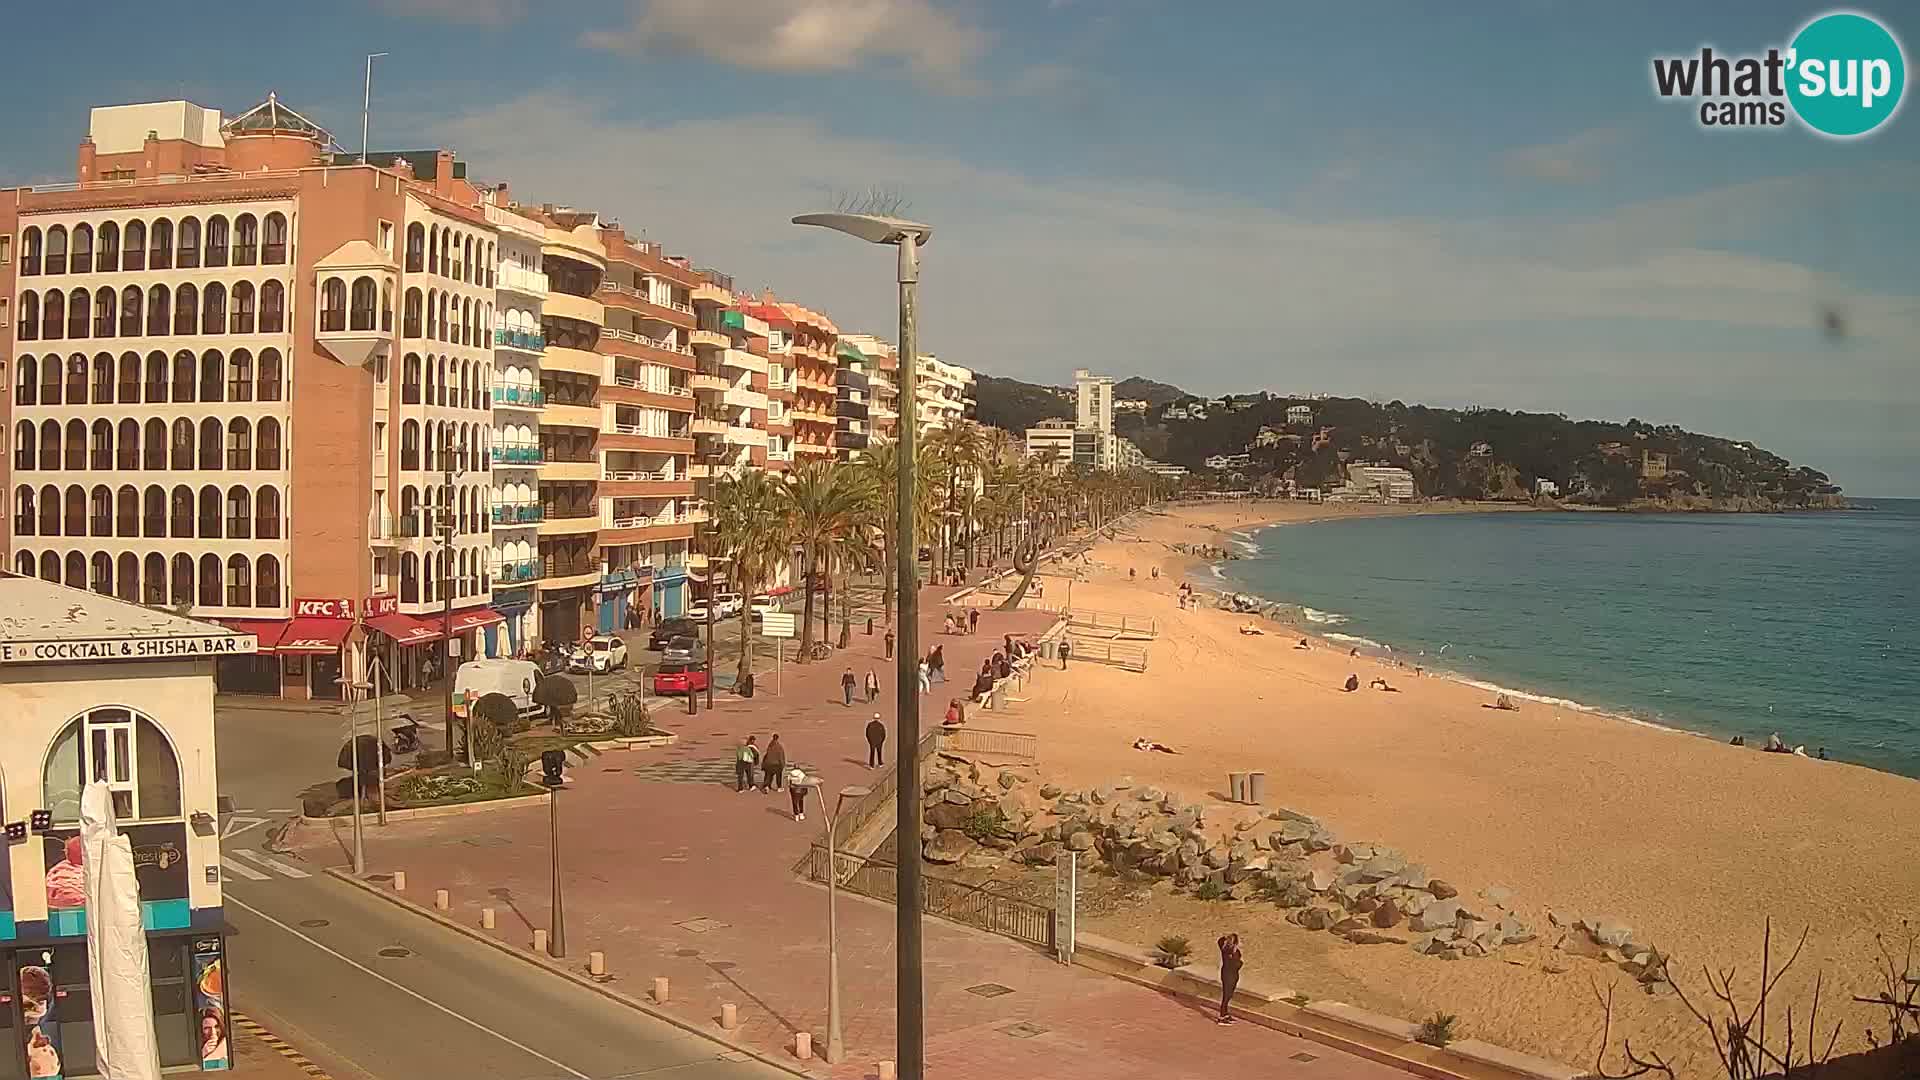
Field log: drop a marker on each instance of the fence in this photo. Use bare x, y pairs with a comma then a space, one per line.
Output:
991, 743
1112, 623
969, 905
851, 820
1118, 653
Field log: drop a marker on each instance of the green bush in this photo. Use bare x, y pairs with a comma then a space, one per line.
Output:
1210, 890
982, 825
432, 787
1172, 951
1437, 1030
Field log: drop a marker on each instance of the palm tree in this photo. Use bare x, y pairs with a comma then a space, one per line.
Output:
822, 502
959, 447
877, 468
750, 527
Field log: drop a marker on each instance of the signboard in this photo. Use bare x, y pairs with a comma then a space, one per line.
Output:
778, 624
382, 605
159, 867
38, 1007
1066, 889
210, 1003
89, 650
322, 608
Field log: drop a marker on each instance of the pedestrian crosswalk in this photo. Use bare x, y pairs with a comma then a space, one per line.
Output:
250, 865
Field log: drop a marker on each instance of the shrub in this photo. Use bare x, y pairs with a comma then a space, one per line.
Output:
982, 825
1210, 890
1172, 951
1437, 1030
1299, 1001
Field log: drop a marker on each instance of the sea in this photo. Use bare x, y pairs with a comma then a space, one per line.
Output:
1720, 624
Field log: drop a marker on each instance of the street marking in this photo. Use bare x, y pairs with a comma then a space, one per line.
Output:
279, 1046
271, 863
240, 870
414, 994
234, 827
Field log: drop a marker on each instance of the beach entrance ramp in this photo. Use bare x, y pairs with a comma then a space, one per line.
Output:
1130, 655
1113, 625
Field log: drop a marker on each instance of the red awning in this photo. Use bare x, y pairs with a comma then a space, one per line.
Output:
404, 629
319, 636
265, 631
780, 590
472, 617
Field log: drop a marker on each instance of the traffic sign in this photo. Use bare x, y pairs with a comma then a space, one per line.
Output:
778, 624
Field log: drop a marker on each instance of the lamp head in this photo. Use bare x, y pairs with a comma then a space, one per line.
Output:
873, 228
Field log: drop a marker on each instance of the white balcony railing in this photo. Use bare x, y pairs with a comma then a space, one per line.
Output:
639, 474
663, 344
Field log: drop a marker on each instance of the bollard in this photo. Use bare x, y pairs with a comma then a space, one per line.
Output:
869, 626
802, 1045
1256, 788
729, 1016
660, 990
486, 918
540, 941
596, 963
441, 900
399, 881
885, 1069
1237, 787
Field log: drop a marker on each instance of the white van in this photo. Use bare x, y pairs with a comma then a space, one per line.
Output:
515, 678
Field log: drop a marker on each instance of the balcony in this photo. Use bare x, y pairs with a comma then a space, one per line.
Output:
745, 397
579, 416
568, 573
739, 435
703, 381
744, 360
708, 425
578, 308
628, 298
522, 570
519, 397
576, 361
528, 513
706, 292
566, 521
570, 470
523, 340
711, 339
523, 281
518, 455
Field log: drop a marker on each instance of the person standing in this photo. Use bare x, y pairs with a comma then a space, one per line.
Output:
744, 760
847, 683
1066, 649
973, 620
926, 683
773, 764
1230, 962
873, 686
876, 742
797, 785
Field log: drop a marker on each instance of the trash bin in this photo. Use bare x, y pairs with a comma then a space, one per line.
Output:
1237, 786
746, 685
1256, 788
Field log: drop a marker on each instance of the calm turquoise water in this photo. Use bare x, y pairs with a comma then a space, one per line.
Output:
1803, 624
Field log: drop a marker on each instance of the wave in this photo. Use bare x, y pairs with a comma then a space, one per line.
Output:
1354, 639
1215, 567
1324, 618
1246, 542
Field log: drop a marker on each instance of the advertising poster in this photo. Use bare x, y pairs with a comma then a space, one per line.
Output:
210, 1003
159, 865
42, 1030
6, 881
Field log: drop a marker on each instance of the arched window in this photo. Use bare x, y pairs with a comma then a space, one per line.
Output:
128, 458
467, 250
23, 510
266, 515
82, 248
155, 391
122, 748
273, 246
160, 249
180, 507
79, 313
100, 446
130, 309
409, 578
127, 581
243, 307
57, 250
434, 249
136, 246
210, 575
100, 511
50, 567
266, 583
74, 503
29, 317
446, 308
186, 309
273, 307
240, 443
53, 317
126, 512
409, 380
159, 312
333, 304
102, 577
26, 376
105, 312
410, 314
50, 513
431, 365
210, 430
269, 455
246, 240
24, 563
239, 513
410, 445
24, 441
210, 506
76, 570
386, 307
213, 373
416, 248
182, 445
240, 376
239, 581
182, 591
491, 257
185, 368
217, 241
270, 375
103, 379
466, 321
365, 294
76, 456
76, 379
50, 444
108, 260
153, 519
430, 437
213, 309
154, 455
187, 253
32, 251
153, 580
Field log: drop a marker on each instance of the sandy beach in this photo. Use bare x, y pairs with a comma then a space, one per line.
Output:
1691, 842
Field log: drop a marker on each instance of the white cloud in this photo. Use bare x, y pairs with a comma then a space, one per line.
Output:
807, 35
479, 12
1577, 159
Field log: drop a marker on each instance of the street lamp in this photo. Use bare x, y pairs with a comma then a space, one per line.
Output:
835, 1051
907, 236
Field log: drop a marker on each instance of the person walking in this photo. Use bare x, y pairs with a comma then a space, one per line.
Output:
1230, 962
847, 683
773, 765
937, 664
973, 620
876, 742
744, 760
873, 686
926, 682
1066, 649
797, 789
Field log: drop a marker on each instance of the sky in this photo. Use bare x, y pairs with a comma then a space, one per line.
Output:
1450, 204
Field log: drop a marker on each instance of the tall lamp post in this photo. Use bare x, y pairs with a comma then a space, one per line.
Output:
907, 236
836, 1050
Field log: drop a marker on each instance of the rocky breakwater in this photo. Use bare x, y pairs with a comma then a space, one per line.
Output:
1366, 893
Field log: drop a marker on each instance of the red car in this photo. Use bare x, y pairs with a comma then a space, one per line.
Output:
680, 678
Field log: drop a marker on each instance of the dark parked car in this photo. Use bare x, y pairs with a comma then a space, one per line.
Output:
664, 633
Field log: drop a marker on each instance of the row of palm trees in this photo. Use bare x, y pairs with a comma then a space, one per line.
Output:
978, 496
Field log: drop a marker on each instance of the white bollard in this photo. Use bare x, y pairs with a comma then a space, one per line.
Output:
399, 881
539, 941
660, 992
729, 1016
486, 918
802, 1045
596, 963
441, 900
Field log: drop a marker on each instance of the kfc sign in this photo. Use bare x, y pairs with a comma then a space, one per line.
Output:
382, 605
322, 609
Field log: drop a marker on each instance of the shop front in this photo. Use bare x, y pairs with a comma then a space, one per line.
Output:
299, 659
403, 649
614, 597
97, 690
519, 629
563, 613
669, 592
471, 628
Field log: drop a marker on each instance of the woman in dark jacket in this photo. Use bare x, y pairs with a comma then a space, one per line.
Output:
773, 766
1230, 961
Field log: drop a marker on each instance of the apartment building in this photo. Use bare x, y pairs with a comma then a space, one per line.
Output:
783, 381
943, 392
1052, 442
812, 347
853, 422
1093, 400
882, 369
519, 342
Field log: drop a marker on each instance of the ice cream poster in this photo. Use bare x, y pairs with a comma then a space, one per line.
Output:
159, 867
210, 1003
39, 1007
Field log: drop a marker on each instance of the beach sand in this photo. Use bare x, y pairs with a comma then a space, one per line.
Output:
1691, 842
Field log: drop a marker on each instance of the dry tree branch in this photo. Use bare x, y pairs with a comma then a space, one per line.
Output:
1638, 1066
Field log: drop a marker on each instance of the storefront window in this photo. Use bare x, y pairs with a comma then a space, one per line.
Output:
127, 751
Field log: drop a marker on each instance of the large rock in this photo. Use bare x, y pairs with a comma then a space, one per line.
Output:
1284, 814
956, 796
1373, 937
1164, 840
1388, 914
1102, 796
1497, 895
1293, 832
1149, 794
1438, 916
1320, 841
1293, 895
1080, 841
1514, 932
1353, 854
1244, 889
1009, 779
1263, 843
1441, 890
948, 846
948, 815
1173, 803
1611, 933
1217, 856
1577, 942
1322, 879
1050, 791
1041, 854
1241, 850
1126, 811
1380, 868
1315, 918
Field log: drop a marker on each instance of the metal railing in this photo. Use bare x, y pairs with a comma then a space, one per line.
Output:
518, 455
520, 339
663, 344
639, 474
528, 396
528, 570
1123, 654
517, 513
1116, 624
968, 905
970, 740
